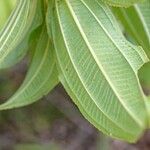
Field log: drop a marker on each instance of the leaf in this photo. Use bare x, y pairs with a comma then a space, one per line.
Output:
41, 76
15, 35
5, 9
121, 3
99, 66
136, 22
144, 10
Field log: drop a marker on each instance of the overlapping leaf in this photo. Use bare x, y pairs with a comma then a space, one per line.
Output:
98, 67
15, 35
121, 3
41, 76
136, 21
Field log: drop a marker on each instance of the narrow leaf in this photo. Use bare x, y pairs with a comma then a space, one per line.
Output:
99, 66
15, 35
41, 76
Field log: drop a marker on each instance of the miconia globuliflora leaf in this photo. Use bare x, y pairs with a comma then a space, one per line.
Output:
98, 66
41, 76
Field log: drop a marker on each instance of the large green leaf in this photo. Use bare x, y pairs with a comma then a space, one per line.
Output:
99, 66
136, 22
41, 76
121, 3
15, 35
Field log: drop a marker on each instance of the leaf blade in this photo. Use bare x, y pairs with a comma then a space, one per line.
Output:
135, 21
41, 76
15, 35
5, 9
89, 75
121, 3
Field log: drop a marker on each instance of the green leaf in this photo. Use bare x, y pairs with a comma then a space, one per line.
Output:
15, 35
121, 3
99, 66
41, 76
136, 22
5, 9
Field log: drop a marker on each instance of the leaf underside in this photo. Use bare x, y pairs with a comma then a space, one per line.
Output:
136, 22
14, 37
100, 67
41, 76
121, 3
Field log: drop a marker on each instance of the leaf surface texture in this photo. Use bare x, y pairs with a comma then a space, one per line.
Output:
14, 37
41, 76
136, 22
98, 67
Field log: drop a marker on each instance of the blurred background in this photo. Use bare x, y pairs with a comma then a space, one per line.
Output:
52, 123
